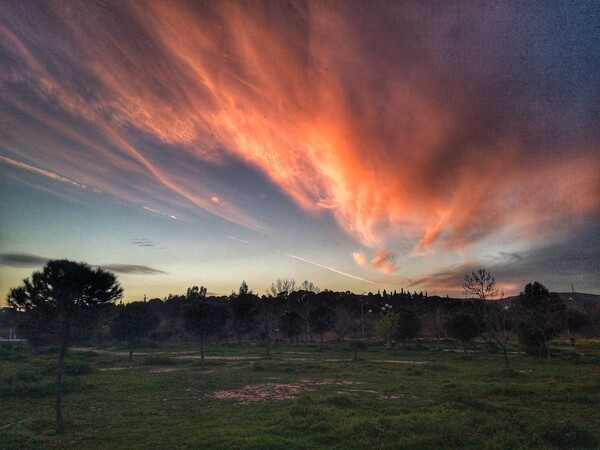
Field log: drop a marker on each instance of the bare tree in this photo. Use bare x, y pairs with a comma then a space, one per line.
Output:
480, 283
282, 287
500, 322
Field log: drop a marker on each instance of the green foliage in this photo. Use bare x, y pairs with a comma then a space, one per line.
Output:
463, 327
542, 316
204, 319
134, 321
59, 301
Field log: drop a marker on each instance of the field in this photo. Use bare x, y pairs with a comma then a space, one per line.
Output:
304, 397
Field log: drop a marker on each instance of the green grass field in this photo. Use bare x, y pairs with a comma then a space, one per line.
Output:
302, 397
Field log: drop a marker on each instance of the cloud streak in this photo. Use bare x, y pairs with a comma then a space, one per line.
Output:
29, 260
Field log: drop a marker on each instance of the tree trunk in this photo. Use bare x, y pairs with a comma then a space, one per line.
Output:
131, 351
59, 389
465, 347
202, 353
505, 355
437, 327
321, 343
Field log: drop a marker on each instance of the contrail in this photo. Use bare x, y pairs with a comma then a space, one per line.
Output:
238, 239
331, 269
45, 173
156, 211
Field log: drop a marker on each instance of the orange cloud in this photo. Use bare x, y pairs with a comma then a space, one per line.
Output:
385, 261
359, 258
382, 135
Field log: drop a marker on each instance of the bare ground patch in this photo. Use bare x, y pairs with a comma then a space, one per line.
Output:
261, 393
162, 369
276, 391
222, 358
398, 361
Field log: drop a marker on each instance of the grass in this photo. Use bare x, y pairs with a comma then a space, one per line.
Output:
423, 399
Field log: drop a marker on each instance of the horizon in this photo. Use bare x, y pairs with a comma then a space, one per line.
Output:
361, 147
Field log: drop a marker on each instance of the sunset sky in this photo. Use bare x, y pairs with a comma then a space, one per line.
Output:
358, 145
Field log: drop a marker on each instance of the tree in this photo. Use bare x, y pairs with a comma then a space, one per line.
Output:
463, 327
203, 319
322, 320
243, 307
408, 324
195, 293
480, 283
542, 316
290, 324
60, 300
134, 321
500, 322
282, 287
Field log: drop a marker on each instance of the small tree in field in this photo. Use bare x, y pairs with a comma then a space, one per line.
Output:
203, 320
134, 321
244, 309
500, 322
322, 320
542, 316
58, 303
409, 325
480, 283
462, 327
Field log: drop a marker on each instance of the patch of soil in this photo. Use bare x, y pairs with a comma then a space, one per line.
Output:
112, 369
397, 361
261, 393
221, 358
163, 369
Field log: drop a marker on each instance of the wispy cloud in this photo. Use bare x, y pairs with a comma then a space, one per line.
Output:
385, 261
440, 139
331, 269
29, 260
133, 269
143, 242
22, 260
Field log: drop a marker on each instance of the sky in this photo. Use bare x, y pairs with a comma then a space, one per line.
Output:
358, 145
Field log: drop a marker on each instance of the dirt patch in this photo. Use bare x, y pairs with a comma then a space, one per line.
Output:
112, 369
330, 382
221, 358
261, 393
397, 361
377, 394
163, 369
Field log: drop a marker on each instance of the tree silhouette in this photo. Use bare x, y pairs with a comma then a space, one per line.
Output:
409, 324
542, 316
463, 327
282, 287
60, 300
134, 321
243, 307
203, 319
480, 283
290, 324
323, 318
